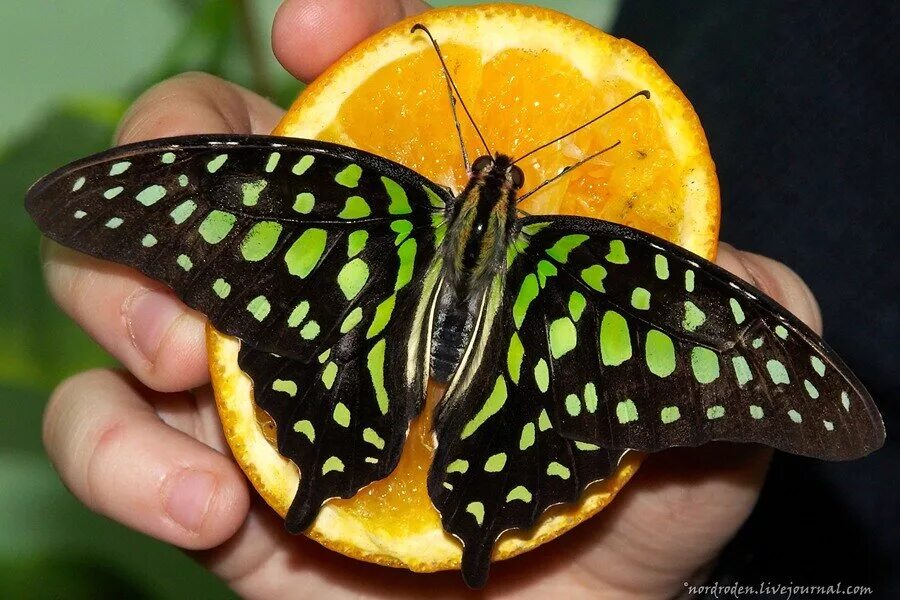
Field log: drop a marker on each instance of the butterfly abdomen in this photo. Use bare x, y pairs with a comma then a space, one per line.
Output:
454, 321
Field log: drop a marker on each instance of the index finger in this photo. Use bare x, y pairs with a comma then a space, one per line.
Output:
138, 320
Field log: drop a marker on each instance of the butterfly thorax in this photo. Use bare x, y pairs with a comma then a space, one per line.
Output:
479, 224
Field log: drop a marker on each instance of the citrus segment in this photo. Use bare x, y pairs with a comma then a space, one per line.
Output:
527, 75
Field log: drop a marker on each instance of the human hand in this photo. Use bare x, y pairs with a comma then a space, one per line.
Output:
145, 448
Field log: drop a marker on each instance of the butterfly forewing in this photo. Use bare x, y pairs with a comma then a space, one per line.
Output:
313, 254
281, 243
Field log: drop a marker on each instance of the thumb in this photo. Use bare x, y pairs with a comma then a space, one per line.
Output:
775, 280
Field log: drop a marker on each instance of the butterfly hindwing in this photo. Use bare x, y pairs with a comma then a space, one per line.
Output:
607, 339
312, 254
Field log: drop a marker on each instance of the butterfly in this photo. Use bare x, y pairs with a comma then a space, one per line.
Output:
564, 342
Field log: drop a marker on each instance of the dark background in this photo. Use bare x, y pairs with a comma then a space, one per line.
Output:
799, 102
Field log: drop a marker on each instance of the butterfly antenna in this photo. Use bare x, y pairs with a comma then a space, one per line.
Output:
644, 93
567, 169
454, 94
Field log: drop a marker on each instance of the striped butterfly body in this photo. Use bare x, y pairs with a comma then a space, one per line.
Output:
564, 342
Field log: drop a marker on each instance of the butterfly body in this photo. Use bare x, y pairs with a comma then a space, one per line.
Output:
480, 222
564, 342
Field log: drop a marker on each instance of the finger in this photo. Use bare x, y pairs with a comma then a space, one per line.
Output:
115, 455
196, 103
135, 319
309, 35
776, 280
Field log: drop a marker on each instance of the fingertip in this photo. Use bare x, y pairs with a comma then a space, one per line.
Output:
115, 454
309, 35
776, 280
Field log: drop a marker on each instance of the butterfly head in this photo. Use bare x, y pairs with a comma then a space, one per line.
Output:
500, 170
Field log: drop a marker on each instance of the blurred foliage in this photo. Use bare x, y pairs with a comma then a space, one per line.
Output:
50, 545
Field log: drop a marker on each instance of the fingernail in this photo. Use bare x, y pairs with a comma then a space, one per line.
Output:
189, 498
149, 314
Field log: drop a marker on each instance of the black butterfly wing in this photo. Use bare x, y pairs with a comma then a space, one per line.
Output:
606, 339
306, 251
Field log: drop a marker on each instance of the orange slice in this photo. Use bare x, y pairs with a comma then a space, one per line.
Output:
527, 75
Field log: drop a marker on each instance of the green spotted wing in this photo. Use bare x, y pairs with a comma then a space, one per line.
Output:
600, 339
306, 251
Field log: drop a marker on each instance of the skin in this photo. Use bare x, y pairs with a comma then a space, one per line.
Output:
143, 445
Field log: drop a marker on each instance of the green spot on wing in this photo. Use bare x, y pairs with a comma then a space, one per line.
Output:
795, 416
306, 428
183, 211
564, 245
151, 195
615, 339
216, 226
356, 242
341, 414
273, 161
222, 288
693, 316
545, 270
544, 421
149, 240
736, 310
216, 163
184, 261
458, 466
113, 192
661, 266
119, 168
526, 440
406, 254
375, 364
528, 291
558, 470
310, 330
433, 197
542, 375
741, 370
810, 389
349, 176
715, 412
640, 298
817, 365
303, 164
304, 203
577, 304
670, 414
689, 281
352, 320
259, 307
520, 493
495, 463
777, 373
382, 316
371, 436
168, 158
399, 204
659, 352
352, 277
355, 207
298, 314
590, 397
305, 252
333, 464
491, 406
251, 190
573, 405
476, 509
593, 276
285, 385
705, 364
617, 254
563, 337
626, 411
756, 411
260, 240
781, 332
514, 356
